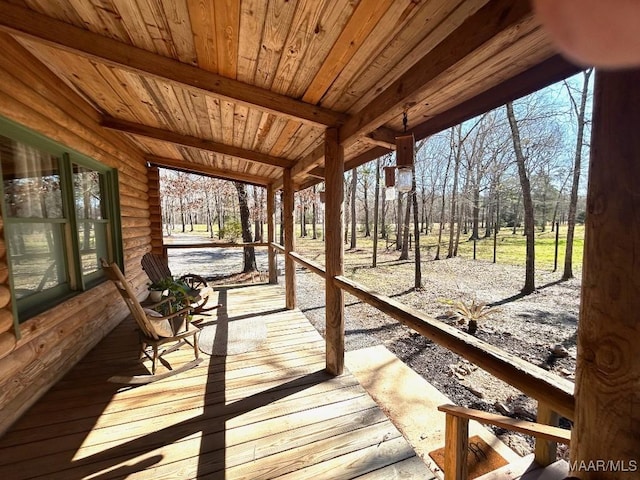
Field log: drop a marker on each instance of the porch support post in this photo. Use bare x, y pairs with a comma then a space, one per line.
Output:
334, 250
607, 417
271, 233
289, 240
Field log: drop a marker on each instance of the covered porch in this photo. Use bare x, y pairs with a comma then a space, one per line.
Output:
270, 413
122, 89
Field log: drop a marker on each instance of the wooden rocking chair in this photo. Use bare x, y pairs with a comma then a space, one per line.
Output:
155, 329
157, 269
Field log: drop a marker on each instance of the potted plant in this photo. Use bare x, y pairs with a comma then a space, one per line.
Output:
156, 291
180, 293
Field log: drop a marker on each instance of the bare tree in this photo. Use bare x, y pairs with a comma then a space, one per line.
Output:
405, 228
376, 204
354, 183
417, 284
249, 259
347, 209
529, 220
571, 217
398, 213
444, 192
456, 147
366, 172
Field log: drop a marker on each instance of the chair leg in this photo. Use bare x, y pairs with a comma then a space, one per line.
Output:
155, 357
195, 345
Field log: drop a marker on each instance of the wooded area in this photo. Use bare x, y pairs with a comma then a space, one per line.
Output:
517, 167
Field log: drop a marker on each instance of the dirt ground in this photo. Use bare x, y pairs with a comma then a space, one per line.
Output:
530, 327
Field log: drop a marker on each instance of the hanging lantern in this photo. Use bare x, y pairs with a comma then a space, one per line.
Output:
404, 162
389, 183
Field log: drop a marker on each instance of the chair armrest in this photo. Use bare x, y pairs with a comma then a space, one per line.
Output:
161, 302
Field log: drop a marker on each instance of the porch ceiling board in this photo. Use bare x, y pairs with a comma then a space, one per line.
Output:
261, 80
409, 89
417, 29
25, 22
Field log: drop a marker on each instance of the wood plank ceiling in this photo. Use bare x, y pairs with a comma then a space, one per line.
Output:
242, 89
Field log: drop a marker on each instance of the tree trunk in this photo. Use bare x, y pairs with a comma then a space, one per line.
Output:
303, 219
529, 219
282, 218
184, 224
454, 198
571, 219
249, 253
256, 220
556, 207
405, 229
383, 214
347, 209
543, 220
442, 213
354, 180
416, 234
462, 220
365, 199
314, 214
376, 205
475, 234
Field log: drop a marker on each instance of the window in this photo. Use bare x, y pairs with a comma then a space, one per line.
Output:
60, 216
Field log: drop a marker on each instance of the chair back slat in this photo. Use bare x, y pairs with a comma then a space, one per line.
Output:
113, 273
156, 267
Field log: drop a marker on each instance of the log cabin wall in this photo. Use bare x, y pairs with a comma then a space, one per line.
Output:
50, 343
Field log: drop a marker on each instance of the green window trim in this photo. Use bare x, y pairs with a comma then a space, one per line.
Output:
106, 229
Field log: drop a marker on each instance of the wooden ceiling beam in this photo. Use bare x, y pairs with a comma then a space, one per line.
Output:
382, 137
304, 166
495, 17
365, 157
27, 23
195, 142
189, 167
550, 71
317, 172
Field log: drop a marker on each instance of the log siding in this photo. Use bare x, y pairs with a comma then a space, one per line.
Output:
39, 351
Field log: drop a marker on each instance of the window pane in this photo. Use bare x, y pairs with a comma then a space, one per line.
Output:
31, 181
92, 238
92, 228
87, 193
37, 258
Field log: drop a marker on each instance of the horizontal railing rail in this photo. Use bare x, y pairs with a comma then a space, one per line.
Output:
526, 377
309, 265
216, 245
277, 246
177, 246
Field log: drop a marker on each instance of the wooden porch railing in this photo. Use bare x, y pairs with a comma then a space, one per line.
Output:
554, 394
165, 248
457, 436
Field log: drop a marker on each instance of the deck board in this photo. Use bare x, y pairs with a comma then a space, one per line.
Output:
270, 413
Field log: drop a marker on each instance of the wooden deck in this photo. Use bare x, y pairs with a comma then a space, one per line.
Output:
271, 413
